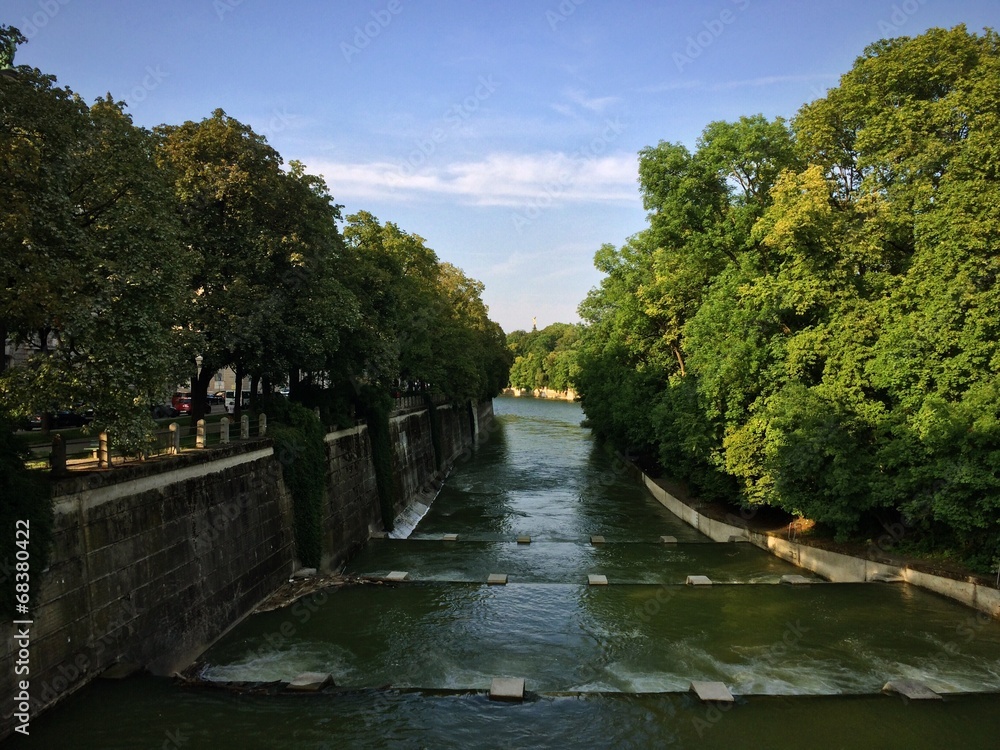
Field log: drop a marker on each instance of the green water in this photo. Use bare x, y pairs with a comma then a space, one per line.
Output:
605, 666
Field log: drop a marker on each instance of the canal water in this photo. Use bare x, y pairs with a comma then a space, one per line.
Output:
604, 666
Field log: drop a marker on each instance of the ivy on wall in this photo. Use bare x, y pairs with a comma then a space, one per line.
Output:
299, 446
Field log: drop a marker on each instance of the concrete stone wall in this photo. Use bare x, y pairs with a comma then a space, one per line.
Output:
350, 506
413, 464
834, 566
152, 563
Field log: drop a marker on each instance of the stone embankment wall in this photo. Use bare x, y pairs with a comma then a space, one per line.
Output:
150, 564
834, 566
153, 562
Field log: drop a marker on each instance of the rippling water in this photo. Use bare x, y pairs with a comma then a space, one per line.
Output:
606, 666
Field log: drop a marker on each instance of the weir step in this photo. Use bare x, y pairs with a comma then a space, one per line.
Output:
524, 539
507, 689
715, 692
597, 580
912, 689
698, 581
597, 539
497, 579
796, 580
397, 575
449, 538
668, 539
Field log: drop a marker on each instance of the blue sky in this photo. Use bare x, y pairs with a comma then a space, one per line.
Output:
504, 133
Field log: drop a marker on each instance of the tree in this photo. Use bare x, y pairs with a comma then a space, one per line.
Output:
94, 271
829, 295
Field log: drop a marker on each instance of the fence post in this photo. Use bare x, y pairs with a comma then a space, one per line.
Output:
224, 430
245, 427
175, 438
263, 425
103, 456
199, 440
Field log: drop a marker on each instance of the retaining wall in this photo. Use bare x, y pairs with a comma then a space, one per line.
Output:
154, 561
834, 566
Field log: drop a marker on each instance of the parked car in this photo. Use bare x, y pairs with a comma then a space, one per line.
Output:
160, 411
230, 401
60, 419
182, 403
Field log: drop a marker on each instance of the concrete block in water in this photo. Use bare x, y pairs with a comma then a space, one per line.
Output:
597, 580
397, 575
507, 689
497, 579
310, 682
912, 689
524, 539
796, 580
379, 535
304, 573
716, 692
668, 539
597, 539
449, 538
698, 581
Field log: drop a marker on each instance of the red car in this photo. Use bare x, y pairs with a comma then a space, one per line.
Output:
182, 403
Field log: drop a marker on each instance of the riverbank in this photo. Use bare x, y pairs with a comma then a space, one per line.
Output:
567, 395
837, 562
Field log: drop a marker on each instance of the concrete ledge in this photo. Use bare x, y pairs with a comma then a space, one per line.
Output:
912, 689
524, 539
396, 575
597, 580
497, 579
698, 581
713, 692
509, 689
668, 540
833, 566
596, 539
797, 580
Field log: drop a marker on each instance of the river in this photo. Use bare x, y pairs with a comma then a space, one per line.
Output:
604, 666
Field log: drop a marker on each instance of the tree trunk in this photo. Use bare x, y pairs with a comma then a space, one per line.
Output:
254, 383
238, 392
199, 392
680, 360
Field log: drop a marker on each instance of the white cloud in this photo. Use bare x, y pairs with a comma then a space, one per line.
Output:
499, 179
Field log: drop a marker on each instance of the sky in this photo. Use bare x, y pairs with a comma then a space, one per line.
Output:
506, 134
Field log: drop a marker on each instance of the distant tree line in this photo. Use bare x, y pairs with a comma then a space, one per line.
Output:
126, 253
811, 318
545, 358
